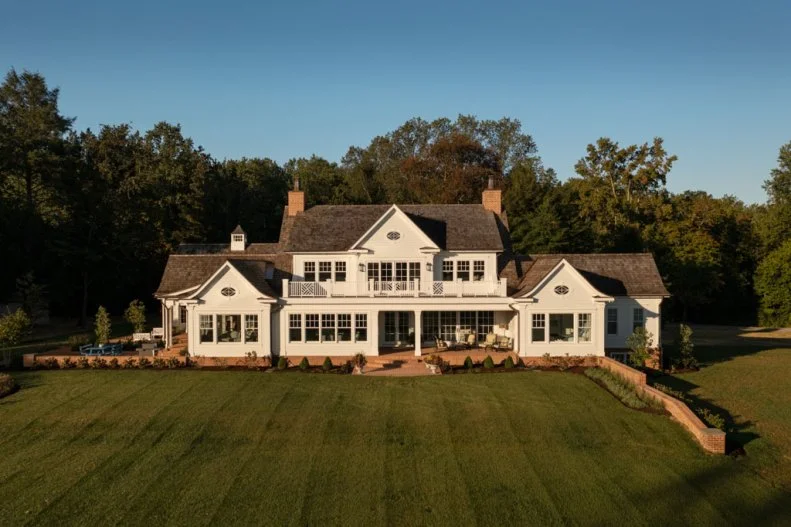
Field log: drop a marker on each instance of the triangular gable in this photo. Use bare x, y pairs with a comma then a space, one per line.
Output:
563, 263
228, 266
426, 242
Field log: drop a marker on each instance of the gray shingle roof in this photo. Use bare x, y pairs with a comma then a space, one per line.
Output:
632, 274
337, 227
187, 271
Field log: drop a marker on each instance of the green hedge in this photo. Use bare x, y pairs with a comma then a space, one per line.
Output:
622, 389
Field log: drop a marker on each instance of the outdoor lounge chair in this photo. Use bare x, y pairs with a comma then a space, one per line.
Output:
504, 344
472, 341
491, 340
441, 344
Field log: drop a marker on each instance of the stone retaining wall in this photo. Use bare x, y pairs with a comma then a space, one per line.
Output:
711, 439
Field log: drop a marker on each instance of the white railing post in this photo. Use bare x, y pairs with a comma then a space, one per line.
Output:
459, 291
416, 287
370, 287
285, 287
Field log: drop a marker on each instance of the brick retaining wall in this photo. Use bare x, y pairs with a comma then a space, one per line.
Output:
711, 439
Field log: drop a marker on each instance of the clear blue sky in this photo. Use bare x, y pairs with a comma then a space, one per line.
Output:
713, 78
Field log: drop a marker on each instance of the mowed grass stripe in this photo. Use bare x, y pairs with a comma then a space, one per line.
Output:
240, 448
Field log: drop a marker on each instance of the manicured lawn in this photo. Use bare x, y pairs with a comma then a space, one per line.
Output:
751, 387
198, 447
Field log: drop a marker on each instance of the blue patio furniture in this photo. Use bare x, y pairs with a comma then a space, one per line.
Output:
85, 348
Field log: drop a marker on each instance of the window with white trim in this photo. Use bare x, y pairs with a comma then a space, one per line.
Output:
344, 327
430, 325
310, 271
539, 328
414, 271
229, 328
463, 270
447, 271
478, 268
251, 328
325, 271
373, 271
638, 318
360, 327
583, 327
328, 327
311, 327
206, 328
295, 327
612, 321
485, 324
400, 271
340, 271
238, 237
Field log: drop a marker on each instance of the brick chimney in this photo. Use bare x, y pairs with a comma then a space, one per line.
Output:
493, 198
296, 199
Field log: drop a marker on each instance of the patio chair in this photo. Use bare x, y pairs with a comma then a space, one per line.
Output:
85, 349
472, 341
491, 340
441, 344
504, 344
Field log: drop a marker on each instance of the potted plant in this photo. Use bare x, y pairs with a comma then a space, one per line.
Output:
434, 363
359, 362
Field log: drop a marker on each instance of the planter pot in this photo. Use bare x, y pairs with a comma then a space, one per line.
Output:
359, 370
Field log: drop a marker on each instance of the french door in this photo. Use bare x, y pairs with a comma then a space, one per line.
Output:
396, 327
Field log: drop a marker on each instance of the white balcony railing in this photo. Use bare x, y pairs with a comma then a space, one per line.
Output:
374, 288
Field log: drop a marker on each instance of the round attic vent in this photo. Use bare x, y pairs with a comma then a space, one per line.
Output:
561, 290
228, 291
393, 235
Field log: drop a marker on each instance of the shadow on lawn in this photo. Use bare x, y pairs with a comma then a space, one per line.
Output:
739, 433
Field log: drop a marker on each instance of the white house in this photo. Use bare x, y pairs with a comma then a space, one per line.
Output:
371, 278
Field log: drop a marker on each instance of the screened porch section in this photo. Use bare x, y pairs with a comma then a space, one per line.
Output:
446, 328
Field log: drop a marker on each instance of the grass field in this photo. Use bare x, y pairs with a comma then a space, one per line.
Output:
750, 385
198, 447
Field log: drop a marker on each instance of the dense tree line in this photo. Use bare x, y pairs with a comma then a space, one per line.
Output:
92, 215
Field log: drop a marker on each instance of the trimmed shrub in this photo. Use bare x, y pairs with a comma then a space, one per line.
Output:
114, 364
130, 363
158, 363
622, 389
51, 363
327, 364
173, 363
98, 363
346, 367
640, 343
68, 363
710, 418
282, 363
144, 363
102, 326
468, 363
7, 384
83, 363
488, 363
135, 314
304, 364
509, 362
685, 349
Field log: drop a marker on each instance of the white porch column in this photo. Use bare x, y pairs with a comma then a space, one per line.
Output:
283, 337
418, 331
373, 331
193, 333
600, 327
169, 330
265, 331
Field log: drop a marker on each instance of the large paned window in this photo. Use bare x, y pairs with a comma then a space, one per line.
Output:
373, 271
328, 327
206, 328
344, 327
463, 270
311, 327
229, 328
310, 271
638, 318
414, 271
539, 328
485, 324
583, 327
400, 272
430, 325
447, 322
478, 268
467, 320
390, 326
251, 328
561, 327
447, 271
340, 271
612, 321
387, 272
295, 327
325, 271
361, 327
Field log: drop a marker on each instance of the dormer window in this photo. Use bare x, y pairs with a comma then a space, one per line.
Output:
238, 239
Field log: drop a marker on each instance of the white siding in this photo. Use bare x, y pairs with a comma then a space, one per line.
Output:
625, 307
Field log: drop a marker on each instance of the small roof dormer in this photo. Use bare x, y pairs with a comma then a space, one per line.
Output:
238, 239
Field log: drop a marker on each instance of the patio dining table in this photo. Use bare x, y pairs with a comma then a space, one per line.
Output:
104, 350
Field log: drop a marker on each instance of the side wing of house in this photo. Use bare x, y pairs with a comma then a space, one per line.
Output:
563, 314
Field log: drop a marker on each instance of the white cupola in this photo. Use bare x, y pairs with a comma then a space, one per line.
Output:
238, 239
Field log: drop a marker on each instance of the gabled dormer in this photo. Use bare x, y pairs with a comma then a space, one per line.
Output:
395, 234
238, 239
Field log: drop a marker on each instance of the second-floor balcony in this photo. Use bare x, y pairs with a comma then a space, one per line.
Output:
374, 288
